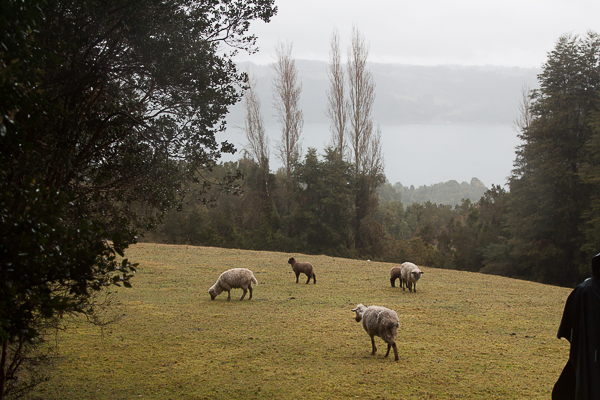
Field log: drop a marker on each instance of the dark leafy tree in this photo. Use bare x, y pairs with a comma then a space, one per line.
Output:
260, 226
492, 236
107, 110
323, 217
391, 215
465, 235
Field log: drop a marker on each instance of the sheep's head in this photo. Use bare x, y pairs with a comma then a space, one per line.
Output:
291, 261
416, 274
360, 310
214, 291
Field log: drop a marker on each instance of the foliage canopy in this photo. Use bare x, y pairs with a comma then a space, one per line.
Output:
108, 109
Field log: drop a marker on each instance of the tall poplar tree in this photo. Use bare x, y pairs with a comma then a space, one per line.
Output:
364, 141
258, 195
286, 98
254, 126
361, 99
337, 105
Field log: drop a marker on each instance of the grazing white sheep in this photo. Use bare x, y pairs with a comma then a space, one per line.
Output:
410, 274
379, 321
395, 273
235, 278
303, 267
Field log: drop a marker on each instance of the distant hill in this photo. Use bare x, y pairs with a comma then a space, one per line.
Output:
450, 193
408, 94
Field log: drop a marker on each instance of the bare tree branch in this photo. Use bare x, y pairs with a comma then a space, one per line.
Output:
525, 117
336, 101
373, 162
361, 139
258, 142
286, 100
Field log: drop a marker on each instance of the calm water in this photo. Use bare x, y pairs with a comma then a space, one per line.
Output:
423, 154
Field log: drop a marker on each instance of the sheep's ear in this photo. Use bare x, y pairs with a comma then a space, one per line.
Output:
355, 309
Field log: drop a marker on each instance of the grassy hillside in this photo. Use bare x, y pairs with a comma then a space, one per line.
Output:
463, 335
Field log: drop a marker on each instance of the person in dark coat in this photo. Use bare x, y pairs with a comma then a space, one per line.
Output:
580, 325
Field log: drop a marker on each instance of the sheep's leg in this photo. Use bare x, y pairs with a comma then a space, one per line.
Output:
415, 287
314, 279
392, 345
402, 284
393, 282
308, 280
250, 289
373, 345
395, 350
244, 295
297, 276
228, 295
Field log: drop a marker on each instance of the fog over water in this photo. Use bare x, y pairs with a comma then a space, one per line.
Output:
427, 154
479, 140
420, 154
437, 123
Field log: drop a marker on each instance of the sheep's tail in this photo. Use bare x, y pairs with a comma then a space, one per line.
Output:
254, 280
393, 328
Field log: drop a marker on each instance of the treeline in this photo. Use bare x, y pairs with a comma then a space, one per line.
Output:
546, 227
315, 213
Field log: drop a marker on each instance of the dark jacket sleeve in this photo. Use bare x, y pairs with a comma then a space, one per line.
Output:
580, 325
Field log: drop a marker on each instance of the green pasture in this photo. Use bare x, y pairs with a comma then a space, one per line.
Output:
462, 336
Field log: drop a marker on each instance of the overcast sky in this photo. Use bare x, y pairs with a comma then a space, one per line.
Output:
428, 32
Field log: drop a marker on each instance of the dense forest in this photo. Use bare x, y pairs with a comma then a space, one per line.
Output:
320, 217
543, 227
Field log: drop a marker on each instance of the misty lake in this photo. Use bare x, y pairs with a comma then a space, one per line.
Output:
421, 154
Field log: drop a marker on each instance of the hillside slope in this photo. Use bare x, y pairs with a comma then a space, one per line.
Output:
463, 335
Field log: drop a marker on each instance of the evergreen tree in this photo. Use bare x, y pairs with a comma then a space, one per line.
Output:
549, 198
590, 175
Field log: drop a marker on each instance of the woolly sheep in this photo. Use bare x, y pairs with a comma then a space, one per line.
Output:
235, 278
379, 321
395, 273
303, 267
410, 274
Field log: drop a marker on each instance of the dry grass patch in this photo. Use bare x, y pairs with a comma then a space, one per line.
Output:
463, 335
